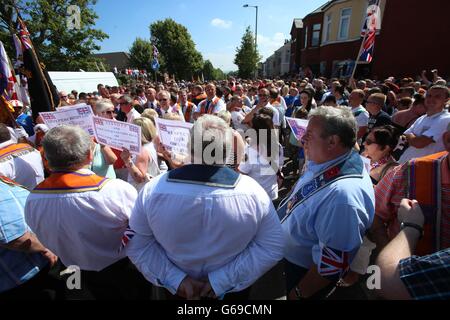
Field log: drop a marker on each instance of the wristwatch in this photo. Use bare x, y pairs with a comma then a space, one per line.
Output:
403, 225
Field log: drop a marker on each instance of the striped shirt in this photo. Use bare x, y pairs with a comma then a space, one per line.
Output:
426, 278
394, 187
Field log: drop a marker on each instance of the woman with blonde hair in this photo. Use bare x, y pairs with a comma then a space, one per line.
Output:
142, 167
104, 157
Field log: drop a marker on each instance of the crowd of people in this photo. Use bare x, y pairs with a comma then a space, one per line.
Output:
372, 186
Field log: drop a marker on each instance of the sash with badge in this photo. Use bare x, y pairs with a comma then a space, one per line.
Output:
351, 166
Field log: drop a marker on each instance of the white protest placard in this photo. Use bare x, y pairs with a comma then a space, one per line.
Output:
75, 116
174, 136
72, 106
298, 127
117, 134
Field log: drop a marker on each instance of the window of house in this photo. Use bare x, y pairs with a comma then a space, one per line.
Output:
306, 37
344, 24
327, 30
316, 35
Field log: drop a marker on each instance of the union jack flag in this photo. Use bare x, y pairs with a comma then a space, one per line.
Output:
127, 236
155, 52
333, 263
24, 35
368, 31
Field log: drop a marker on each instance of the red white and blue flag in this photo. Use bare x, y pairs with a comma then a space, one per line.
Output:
368, 32
127, 236
7, 79
333, 263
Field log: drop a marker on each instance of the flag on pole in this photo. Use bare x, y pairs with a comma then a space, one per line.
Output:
43, 94
7, 78
368, 32
155, 62
155, 52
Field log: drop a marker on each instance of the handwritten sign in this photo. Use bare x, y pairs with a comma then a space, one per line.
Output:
298, 127
174, 136
118, 135
76, 116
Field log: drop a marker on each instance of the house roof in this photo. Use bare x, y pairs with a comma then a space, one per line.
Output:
320, 9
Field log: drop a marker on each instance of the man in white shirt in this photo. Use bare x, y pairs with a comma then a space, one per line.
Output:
152, 103
219, 231
425, 135
361, 115
126, 106
238, 112
212, 104
164, 103
140, 96
19, 161
263, 102
83, 217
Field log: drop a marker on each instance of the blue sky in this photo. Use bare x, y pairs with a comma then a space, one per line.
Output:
216, 27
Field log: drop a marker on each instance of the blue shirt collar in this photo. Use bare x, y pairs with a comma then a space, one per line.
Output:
315, 167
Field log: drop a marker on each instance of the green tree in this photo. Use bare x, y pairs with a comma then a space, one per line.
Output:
209, 71
141, 54
59, 47
247, 57
176, 49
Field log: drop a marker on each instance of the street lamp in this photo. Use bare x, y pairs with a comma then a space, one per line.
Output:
256, 35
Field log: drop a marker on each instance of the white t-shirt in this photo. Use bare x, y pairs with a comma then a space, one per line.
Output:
260, 169
433, 126
362, 119
26, 169
236, 118
276, 114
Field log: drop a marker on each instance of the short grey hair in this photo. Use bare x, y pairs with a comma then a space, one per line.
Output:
66, 147
211, 140
225, 116
127, 99
337, 121
103, 105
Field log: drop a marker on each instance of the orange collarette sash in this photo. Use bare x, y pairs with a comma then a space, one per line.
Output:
424, 178
16, 149
71, 182
212, 105
188, 112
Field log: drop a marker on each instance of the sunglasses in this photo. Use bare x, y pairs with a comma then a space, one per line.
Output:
163, 99
110, 112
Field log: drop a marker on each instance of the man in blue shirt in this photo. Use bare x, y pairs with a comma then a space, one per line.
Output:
325, 217
23, 259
